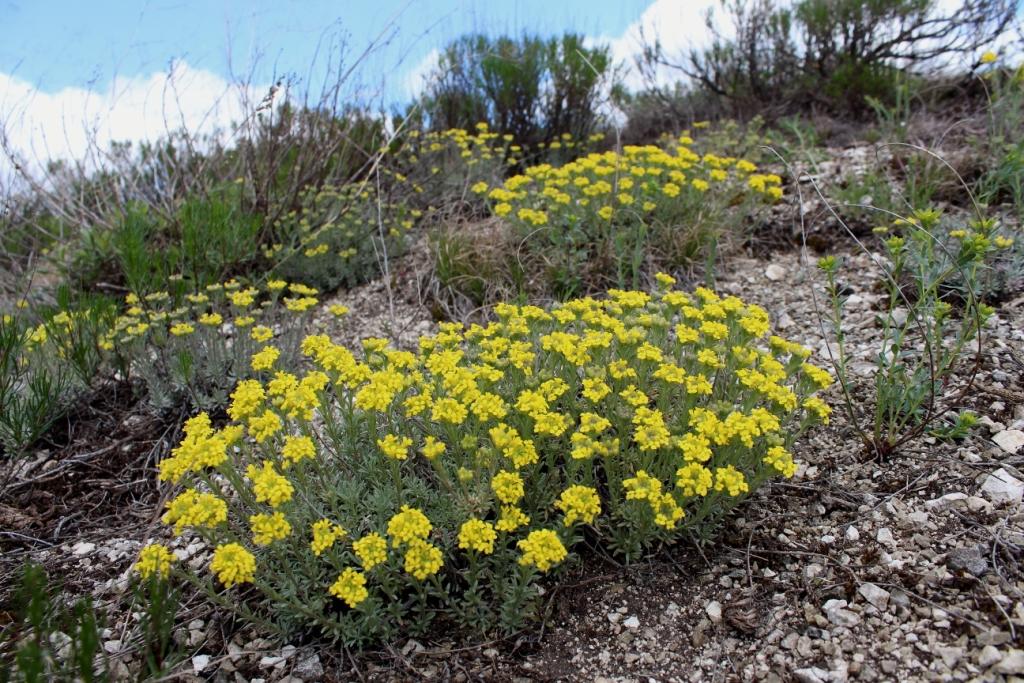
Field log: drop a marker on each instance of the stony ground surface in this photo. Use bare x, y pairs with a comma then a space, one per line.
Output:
856, 569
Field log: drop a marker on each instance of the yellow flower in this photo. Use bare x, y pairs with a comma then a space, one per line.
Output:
245, 399
477, 535
269, 528
988, 57
542, 549
211, 319
396, 448
693, 480
511, 518
594, 390
154, 559
325, 533
296, 449
338, 310
350, 587
432, 448
641, 486
264, 426
265, 358
261, 333
195, 509
580, 504
371, 550
507, 486
422, 559
666, 512
730, 479
182, 329
233, 564
780, 459
408, 525
269, 486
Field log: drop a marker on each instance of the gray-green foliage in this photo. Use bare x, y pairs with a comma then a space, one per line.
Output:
48, 357
931, 326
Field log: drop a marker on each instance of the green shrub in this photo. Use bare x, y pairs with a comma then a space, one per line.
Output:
843, 56
531, 88
49, 356
381, 493
207, 240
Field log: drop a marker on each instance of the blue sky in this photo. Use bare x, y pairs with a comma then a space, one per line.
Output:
59, 44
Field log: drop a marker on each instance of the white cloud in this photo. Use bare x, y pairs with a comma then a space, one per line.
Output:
74, 122
678, 25
415, 81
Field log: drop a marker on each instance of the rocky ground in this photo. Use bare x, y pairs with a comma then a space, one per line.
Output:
856, 569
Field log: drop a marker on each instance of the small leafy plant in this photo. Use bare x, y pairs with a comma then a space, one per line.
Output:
932, 320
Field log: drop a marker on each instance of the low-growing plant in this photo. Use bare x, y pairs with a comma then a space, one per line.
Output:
439, 168
190, 351
32, 393
386, 491
206, 240
862, 195
49, 355
931, 325
612, 219
340, 236
1003, 180
47, 639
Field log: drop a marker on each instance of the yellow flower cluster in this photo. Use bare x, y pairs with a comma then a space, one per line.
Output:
649, 177
154, 559
478, 535
542, 549
489, 441
233, 564
195, 509
350, 587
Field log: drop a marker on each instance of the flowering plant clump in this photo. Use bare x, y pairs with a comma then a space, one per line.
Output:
195, 347
440, 168
602, 219
340, 234
385, 489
